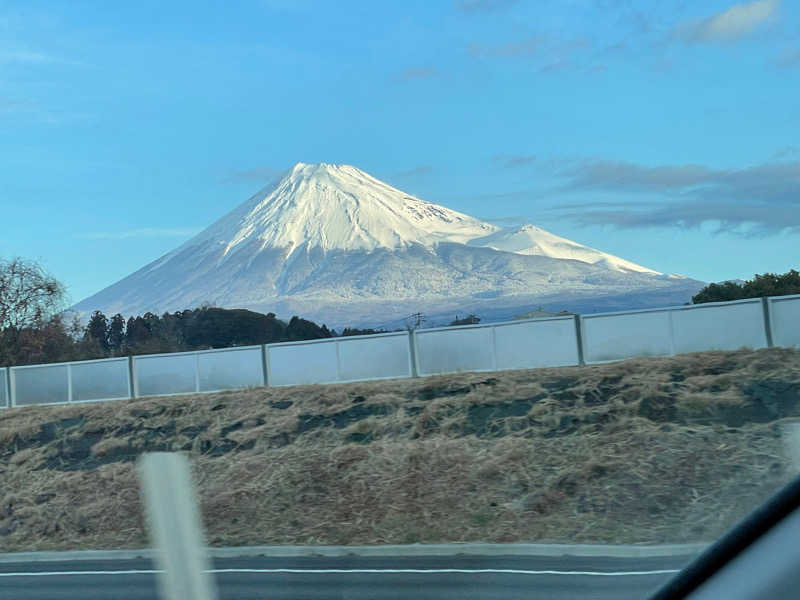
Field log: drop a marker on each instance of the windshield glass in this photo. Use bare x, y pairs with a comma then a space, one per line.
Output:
477, 298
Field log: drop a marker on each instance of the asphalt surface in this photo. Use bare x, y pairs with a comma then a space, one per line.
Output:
355, 578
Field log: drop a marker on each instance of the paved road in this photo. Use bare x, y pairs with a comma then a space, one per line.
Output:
354, 578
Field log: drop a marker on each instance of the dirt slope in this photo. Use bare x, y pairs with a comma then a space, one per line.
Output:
642, 451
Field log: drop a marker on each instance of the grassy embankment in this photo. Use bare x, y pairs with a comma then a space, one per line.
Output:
644, 451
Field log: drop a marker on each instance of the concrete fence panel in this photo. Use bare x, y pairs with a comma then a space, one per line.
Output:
230, 369
455, 349
719, 326
295, 363
617, 336
160, 374
538, 343
4, 399
40, 384
100, 380
785, 319
374, 357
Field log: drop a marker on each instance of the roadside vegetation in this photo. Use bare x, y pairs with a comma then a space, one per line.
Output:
35, 328
768, 284
652, 450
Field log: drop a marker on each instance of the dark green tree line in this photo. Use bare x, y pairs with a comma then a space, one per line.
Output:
768, 284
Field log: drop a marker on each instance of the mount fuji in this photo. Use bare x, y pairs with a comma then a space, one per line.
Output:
334, 244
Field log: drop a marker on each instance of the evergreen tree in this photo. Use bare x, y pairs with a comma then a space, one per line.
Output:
220, 328
96, 332
116, 334
302, 329
137, 333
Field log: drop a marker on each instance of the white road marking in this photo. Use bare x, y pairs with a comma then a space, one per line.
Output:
357, 571
459, 571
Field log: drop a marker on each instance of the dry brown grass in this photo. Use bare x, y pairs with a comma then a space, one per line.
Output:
643, 451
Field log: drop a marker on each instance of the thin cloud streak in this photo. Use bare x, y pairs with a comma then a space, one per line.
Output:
416, 171
146, 232
551, 54
526, 47
757, 200
33, 57
262, 174
729, 25
616, 175
787, 152
514, 161
413, 73
789, 59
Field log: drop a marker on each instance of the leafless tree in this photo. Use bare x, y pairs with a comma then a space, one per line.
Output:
28, 294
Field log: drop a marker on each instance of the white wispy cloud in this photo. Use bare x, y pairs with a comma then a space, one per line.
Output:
729, 25
550, 52
145, 232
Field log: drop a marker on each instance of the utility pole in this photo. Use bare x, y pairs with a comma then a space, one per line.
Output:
414, 321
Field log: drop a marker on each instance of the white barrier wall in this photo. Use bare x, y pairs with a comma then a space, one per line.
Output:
160, 374
536, 343
513, 345
719, 326
616, 336
45, 384
230, 369
4, 401
382, 356
455, 349
785, 321
100, 380
294, 363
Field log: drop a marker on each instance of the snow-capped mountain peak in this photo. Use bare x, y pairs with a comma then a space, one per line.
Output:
340, 207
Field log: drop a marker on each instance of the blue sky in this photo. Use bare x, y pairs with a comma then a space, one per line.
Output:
665, 132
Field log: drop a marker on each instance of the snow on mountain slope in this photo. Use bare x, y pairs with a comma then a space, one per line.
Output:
340, 207
329, 240
533, 240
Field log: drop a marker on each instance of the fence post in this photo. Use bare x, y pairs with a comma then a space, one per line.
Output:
69, 382
264, 366
12, 387
767, 321
338, 363
131, 378
671, 332
494, 348
268, 365
9, 398
579, 339
197, 373
412, 349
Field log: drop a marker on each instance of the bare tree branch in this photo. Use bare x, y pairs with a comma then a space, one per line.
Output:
28, 294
